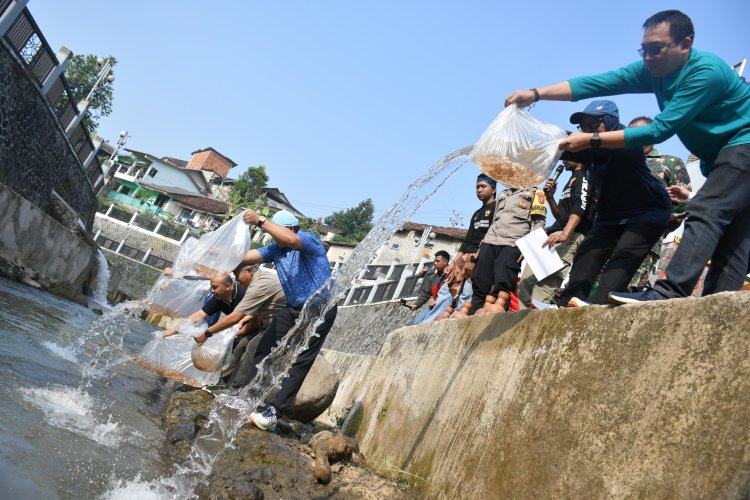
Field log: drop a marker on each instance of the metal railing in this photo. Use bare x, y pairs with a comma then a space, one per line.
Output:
40, 61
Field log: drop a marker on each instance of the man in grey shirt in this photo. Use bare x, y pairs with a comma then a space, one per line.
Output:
264, 297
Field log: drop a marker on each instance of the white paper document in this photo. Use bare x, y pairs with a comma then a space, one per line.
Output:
543, 261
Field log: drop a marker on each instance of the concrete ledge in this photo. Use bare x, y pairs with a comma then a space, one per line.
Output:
650, 400
37, 250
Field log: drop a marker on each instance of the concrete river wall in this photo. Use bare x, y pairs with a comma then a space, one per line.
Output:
48, 202
648, 400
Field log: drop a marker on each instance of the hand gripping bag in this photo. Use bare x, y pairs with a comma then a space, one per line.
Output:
517, 150
218, 251
172, 357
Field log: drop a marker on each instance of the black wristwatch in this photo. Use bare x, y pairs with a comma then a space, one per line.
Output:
207, 334
260, 222
596, 141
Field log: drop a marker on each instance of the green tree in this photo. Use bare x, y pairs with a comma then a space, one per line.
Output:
354, 223
81, 74
246, 191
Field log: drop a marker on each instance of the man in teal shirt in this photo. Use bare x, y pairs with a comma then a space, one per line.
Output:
707, 105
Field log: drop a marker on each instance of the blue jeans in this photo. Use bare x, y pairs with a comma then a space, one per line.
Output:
717, 228
422, 316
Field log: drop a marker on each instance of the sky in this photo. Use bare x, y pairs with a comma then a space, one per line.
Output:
344, 101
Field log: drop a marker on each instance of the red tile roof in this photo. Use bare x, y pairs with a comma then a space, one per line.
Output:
453, 232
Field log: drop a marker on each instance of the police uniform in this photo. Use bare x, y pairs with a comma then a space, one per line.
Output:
517, 213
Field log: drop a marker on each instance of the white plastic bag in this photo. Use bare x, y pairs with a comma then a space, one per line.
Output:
172, 357
218, 251
518, 150
180, 298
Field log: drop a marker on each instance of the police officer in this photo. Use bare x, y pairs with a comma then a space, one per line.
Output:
517, 213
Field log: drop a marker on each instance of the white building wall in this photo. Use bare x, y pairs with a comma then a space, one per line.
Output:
167, 175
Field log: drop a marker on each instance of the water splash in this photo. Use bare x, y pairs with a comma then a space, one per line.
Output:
66, 353
73, 410
229, 413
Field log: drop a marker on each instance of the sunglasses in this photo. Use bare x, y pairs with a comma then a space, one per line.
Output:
654, 49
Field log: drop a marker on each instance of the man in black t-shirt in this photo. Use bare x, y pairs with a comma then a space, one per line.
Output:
226, 295
573, 217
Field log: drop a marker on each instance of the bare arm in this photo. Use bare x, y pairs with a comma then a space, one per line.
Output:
283, 235
560, 236
227, 321
557, 92
581, 141
550, 187
194, 318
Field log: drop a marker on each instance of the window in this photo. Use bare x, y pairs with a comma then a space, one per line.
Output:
125, 190
161, 200
395, 246
153, 172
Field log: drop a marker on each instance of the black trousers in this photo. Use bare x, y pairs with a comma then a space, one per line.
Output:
496, 271
717, 228
284, 320
622, 248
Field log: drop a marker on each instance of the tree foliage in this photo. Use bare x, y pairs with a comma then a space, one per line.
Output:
81, 74
246, 191
354, 223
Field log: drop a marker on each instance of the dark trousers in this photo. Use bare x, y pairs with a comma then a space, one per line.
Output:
717, 228
239, 354
496, 271
622, 248
275, 333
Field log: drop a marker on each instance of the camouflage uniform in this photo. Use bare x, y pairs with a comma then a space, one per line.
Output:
671, 171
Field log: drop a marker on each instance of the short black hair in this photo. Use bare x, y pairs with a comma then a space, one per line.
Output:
680, 25
646, 119
443, 254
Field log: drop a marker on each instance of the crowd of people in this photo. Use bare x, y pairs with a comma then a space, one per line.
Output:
623, 196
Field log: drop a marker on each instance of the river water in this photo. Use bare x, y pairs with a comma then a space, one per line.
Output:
66, 429
80, 421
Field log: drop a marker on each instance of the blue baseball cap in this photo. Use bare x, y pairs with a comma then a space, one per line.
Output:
285, 218
597, 108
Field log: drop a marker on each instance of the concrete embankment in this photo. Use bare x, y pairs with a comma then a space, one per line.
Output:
648, 400
37, 250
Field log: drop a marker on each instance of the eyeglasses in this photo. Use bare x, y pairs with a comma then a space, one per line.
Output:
590, 126
654, 49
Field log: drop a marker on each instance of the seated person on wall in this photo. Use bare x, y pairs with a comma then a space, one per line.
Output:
671, 172
431, 283
573, 217
478, 226
632, 211
517, 213
446, 303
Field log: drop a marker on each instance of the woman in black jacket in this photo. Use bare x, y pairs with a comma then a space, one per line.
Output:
632, 211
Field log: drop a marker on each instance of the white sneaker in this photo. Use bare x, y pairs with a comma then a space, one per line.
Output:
265, 420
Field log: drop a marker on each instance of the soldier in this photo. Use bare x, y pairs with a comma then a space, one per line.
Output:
671, 171
517, 213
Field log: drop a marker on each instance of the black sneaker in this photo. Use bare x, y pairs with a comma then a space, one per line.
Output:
645, 295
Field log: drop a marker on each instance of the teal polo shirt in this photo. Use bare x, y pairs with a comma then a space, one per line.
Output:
705, 103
